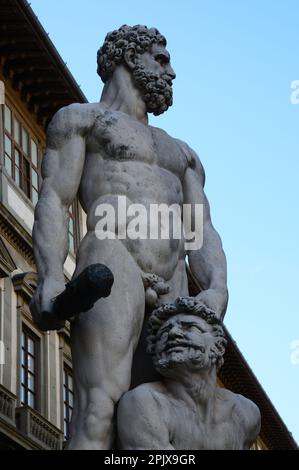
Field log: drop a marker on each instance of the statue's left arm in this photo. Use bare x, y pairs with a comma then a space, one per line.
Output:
207, 262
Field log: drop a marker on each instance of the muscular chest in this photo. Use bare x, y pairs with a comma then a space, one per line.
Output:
117, 137
193, 434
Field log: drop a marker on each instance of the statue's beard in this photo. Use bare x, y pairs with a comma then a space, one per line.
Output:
171, 363
156, 90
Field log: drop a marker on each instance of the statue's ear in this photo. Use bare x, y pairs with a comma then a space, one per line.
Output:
129, 57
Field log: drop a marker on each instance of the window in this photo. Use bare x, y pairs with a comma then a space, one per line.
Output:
21, 155
74, 231
68, 399
71, 231
258, 445
29, 368
22, 158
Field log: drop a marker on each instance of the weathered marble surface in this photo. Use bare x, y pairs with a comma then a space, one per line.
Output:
101, 151
186, 409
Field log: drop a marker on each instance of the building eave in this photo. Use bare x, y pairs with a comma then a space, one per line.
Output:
32, 63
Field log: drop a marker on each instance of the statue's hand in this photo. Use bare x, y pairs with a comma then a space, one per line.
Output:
213, 300
41, 304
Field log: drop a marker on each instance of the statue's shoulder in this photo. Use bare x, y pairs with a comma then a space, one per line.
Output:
192, 158
76, 117
244, 410
143, 418
146, 396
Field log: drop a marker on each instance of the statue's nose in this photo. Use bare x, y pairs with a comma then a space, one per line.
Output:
171, 72
175, 332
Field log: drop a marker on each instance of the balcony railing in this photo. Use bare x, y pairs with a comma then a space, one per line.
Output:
7, 405
38, 429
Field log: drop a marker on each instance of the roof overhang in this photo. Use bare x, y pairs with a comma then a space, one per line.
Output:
33, 65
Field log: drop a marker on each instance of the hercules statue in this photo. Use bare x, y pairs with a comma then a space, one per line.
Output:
100, 151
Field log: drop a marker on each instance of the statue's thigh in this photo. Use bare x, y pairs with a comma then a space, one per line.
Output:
178, 284
121, 314
104, 338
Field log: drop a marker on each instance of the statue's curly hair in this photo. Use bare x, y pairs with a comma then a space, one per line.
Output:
138, 37
188, 306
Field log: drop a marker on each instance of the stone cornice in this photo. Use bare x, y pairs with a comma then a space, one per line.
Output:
16, 235
7, 264
25, 284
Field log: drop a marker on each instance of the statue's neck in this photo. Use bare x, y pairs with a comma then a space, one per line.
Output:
197, 390
120, 94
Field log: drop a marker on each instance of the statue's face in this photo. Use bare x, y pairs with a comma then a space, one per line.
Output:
183, 341
153, 75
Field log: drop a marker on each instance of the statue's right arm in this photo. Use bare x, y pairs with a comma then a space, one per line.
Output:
61, 171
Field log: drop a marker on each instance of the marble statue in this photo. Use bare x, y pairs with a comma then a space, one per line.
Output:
98, 152
186, 409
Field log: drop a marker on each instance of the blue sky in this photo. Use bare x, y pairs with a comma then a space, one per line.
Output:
235, 61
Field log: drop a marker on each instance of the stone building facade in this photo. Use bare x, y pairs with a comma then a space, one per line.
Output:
36, 390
